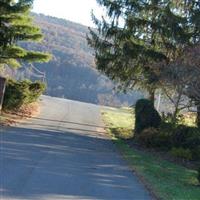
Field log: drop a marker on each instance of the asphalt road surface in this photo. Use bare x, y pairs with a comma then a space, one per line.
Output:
64, 154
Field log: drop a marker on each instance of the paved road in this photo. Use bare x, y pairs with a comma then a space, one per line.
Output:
51, 158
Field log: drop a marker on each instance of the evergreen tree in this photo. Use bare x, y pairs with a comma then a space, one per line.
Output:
16, 26
137, 34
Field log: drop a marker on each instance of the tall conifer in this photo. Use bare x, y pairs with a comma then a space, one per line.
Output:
135, 34
16, 26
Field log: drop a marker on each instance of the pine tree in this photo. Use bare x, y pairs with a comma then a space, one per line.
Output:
137, 34
16, 26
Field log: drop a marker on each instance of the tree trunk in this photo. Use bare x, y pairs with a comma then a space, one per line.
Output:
198, 116
174, 116
152, 95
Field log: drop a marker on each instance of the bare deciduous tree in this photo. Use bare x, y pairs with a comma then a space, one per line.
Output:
180, 80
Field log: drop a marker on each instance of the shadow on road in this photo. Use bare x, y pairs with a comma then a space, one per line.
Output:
67, 122
78, 126
36, 164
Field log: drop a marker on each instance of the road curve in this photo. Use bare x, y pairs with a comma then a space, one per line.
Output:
64, 154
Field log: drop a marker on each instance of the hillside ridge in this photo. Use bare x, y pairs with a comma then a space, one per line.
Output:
72, 74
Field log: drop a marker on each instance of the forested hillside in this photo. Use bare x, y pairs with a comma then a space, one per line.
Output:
71, 73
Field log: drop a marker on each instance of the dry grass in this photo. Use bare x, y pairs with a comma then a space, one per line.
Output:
9, 118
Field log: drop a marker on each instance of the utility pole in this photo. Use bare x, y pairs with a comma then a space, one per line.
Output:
2, 90
159, 98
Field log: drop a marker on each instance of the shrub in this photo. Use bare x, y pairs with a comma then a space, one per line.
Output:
146, 115
198, 175
162, 140
186, 137
181, 153
196, 153
147, 135
152, 137
20, 93
167, 127
36, 89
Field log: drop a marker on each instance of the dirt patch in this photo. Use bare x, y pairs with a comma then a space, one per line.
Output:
9, 118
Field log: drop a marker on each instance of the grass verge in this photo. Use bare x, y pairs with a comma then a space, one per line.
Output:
165, 179
2, 119
120, 121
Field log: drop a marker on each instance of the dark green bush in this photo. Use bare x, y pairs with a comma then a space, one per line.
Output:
198, 175
146, 115
20, 93
152, 137
147, 136
167, 127
181, 139
36, 89
186, 137
163, 140
196, 152
181, 153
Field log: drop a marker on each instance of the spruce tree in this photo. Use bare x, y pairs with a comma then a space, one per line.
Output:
137, 34
16, 26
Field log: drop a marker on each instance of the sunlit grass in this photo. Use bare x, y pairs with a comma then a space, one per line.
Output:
2, 119
121, 121
189, 119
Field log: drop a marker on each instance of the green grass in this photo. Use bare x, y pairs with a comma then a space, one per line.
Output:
166, 180
2, 119
189, 119
120, 121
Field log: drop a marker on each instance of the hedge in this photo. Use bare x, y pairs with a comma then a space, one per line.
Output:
20, 93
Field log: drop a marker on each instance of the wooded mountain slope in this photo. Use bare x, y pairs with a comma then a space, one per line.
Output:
71, 73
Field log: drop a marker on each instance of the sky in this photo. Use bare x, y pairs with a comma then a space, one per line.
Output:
74, 10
